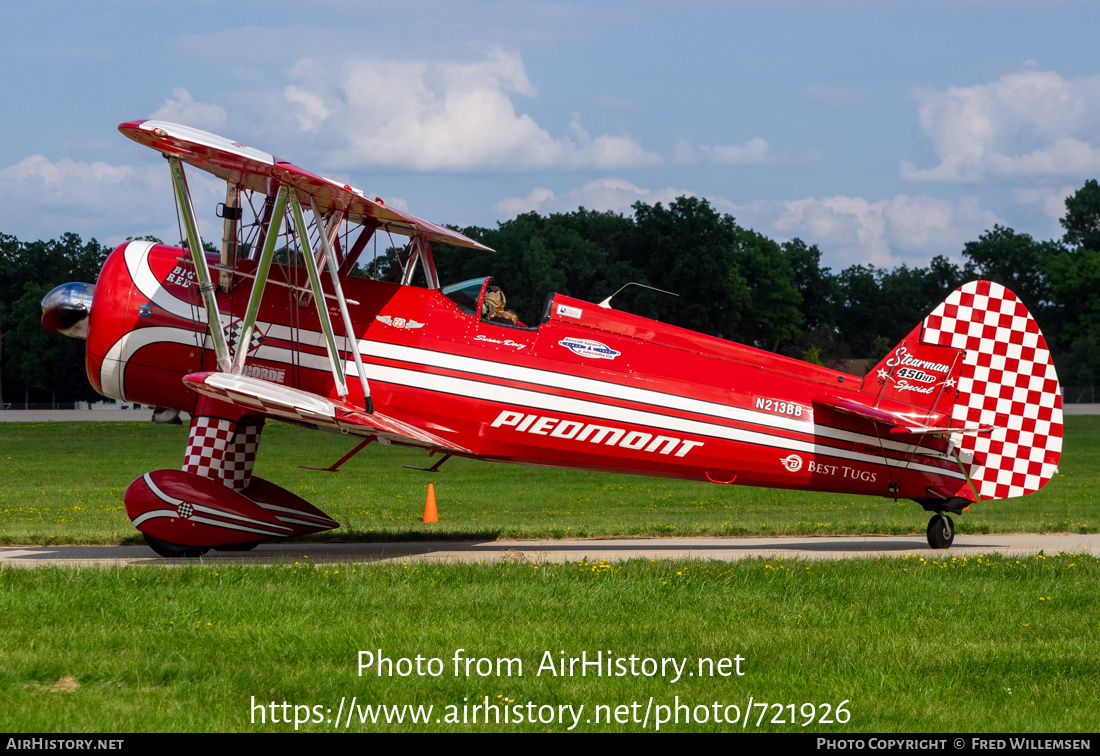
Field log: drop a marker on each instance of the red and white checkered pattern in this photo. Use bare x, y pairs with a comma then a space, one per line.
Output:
240, 457
1007, 381
222, 450
206, 446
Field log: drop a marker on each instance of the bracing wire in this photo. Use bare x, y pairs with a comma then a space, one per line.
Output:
191, 296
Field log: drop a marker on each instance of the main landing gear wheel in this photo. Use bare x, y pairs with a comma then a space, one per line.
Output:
174, 550
941, 531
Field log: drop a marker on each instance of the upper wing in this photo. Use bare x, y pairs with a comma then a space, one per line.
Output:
295, 405
259, 171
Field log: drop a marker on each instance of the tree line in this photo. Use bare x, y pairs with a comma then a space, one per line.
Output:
36, 366
732, 282
738, 284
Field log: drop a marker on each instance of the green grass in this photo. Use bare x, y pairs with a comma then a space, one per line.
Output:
64, 484
954, 645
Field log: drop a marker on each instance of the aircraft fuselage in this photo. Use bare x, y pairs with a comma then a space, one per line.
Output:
587, 388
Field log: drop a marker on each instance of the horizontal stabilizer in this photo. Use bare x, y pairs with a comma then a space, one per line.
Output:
905, 423
900, 424
942, 430
302, 407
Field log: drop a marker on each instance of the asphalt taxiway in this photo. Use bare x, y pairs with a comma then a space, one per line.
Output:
611, 550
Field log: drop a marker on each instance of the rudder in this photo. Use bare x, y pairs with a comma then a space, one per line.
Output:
1007, 381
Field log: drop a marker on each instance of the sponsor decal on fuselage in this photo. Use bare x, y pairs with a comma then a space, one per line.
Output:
594, 433
589, 348
264, 373
792, 462
844, 470
569, 312
180, 277
403, 323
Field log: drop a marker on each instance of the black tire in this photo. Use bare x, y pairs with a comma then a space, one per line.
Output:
174, 550
238, 547
941, 532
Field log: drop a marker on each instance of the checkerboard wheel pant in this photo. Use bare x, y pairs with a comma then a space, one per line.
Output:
222, 450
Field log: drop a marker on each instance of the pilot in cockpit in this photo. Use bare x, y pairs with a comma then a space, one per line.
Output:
492, 308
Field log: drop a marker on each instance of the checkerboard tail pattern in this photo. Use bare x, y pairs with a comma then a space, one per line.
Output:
1007, 381
222, 450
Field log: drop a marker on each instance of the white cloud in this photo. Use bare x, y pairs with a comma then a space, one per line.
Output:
614, 194
1051, 199
848, 230
852, 227
1032, 123
447, 116
66, 183
756, 150
884, 233
185, 110
311, 111
753, 151
43, 199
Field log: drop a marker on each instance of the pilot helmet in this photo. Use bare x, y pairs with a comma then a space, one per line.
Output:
494, 300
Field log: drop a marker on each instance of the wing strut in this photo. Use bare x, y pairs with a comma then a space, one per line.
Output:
319, 297
349, 331
198, 258
258, 286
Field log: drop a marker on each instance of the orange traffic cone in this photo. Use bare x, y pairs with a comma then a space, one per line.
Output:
430, 513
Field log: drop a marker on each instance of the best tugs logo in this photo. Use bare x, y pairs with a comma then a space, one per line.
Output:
792, 462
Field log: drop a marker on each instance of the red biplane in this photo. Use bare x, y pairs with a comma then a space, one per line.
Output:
967, 407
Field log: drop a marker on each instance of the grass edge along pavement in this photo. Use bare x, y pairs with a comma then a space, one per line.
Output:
984, 644
64, 484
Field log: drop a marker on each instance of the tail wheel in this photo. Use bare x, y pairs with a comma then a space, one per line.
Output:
941, 532
174, 550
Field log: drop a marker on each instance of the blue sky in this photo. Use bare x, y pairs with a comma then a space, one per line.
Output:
885, 133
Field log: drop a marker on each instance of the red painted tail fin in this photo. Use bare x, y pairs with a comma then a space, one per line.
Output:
980, 360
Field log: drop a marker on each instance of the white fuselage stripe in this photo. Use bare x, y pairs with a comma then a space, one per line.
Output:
112, 372
491, 392
590, 386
